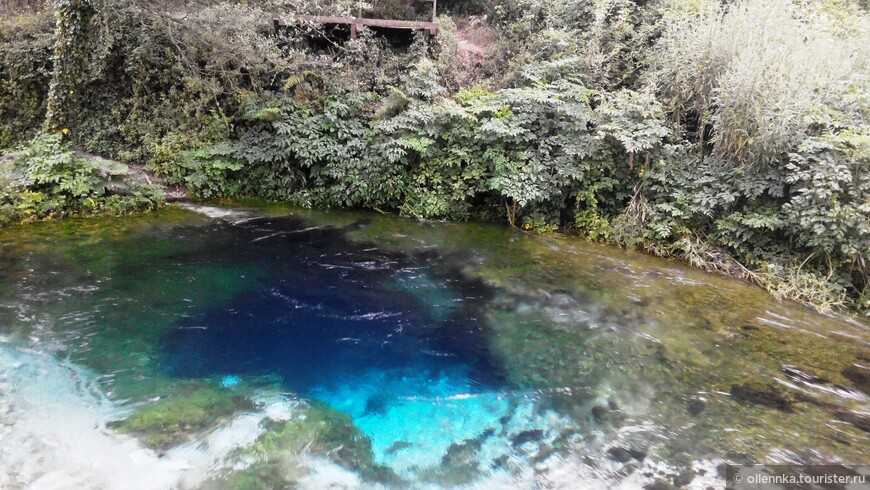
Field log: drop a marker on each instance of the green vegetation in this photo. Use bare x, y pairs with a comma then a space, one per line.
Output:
314, 428
193, 408
731, 135
48, 179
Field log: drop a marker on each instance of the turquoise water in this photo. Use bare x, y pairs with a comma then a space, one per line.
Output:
343, 323
266, 348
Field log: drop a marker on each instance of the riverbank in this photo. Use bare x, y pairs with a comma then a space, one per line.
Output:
503, 116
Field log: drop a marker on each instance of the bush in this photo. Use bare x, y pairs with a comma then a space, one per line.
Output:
47, 179
25, 71
756, 69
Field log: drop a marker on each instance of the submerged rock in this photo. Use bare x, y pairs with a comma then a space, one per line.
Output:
696, 406
533, 435
659, 485
767, 395
459, 465
196, 408
802, 375
314, 429
858, 420
619, 454
398, 446
501, 461
377, 404
859, 375
599, 412
684, 477
623, 455
462, 453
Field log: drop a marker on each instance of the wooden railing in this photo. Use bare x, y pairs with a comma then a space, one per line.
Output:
355, 23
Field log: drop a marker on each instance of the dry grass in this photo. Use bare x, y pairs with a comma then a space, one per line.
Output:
756, 68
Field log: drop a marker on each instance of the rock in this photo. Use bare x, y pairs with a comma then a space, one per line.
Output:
398, 446
619, 454
805, 376
766, 395
684, 478
544, 453
598, 412
860, 421
659, 485
696, 406
464, 453
859, 375
377, 404
525, 436
638, 454
500, 462
622, 455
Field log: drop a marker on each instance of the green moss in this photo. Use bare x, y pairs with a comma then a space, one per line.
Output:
315, 429
193, 408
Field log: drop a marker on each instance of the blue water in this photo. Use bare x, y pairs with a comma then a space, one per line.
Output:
388, 339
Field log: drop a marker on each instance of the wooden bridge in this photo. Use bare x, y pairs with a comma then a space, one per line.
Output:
355, 23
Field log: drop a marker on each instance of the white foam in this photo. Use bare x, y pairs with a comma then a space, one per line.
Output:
225, 214
53, 433
53, 436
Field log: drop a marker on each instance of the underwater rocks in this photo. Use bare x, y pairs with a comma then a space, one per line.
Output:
313, 429
609, 413
534, 435
762, 394
398, 446
195, 408
804, 376
460, 464
859, 375
695, 406
860, 421
624, 455
461, 453
660, 485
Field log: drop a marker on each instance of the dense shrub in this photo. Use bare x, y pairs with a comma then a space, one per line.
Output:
754, 71
25, 71
525, 152
730, 134
47, 179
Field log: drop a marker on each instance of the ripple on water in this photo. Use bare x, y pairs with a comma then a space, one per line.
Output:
465, 354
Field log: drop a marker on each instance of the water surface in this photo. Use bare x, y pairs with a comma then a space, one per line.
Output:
256, 347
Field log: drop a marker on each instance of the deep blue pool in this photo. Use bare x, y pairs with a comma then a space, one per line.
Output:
385, 338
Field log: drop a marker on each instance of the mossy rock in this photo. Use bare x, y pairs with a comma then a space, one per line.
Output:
191, 410
315, 428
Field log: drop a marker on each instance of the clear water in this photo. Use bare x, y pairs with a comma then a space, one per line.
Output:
338, 322
265, 348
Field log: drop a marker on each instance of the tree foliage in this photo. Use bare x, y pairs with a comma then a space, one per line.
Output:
731, 134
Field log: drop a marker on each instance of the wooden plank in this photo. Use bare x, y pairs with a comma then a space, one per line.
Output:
432, 27
325, 19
